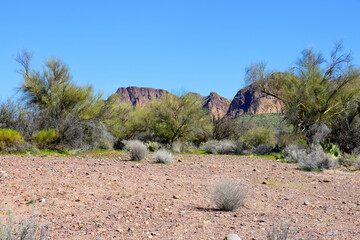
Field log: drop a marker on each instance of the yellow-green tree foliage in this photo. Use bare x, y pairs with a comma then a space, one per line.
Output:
314, 90
181, 117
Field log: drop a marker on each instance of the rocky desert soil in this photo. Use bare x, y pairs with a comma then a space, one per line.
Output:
108, 197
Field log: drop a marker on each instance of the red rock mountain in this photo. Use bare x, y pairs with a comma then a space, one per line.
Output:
139, 96
247, 100
218, 106
250, 101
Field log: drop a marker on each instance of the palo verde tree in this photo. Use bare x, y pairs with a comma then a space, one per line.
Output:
76, 112
315, 91
179, 118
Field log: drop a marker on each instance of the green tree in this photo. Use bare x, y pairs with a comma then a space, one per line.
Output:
179, 118
314, 90
77, 113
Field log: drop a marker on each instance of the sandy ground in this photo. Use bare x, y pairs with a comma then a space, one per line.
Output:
108, 197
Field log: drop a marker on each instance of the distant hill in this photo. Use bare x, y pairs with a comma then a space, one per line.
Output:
250, 101
246, 101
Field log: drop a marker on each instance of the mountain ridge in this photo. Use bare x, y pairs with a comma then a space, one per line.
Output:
246, 101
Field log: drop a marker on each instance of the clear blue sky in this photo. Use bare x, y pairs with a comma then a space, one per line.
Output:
192, 45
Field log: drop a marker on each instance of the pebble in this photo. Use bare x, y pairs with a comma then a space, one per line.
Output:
176, 197
332, 233
306, 203
232, 236
3, 174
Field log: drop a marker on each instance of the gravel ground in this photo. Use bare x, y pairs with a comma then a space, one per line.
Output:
108, 197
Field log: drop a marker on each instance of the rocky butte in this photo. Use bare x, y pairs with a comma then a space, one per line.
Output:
246, 101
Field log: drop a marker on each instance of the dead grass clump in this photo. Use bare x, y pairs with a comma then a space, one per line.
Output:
228, 195
26, 229
137, 150
163, 156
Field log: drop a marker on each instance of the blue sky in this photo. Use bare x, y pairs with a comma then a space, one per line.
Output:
192, 45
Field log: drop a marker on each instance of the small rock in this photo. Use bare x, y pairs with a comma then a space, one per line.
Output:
306, 203
42, 200
182, 211
235, 215
265, 182
119, 230
332, 233
3, 174
232, 236
176, 197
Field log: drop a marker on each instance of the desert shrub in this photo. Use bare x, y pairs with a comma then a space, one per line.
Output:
152, 146
27, 229
262, 149
293, 152
257, 136
137, 149
279, 232
228, 195
163, 156
221, 147
11, 140
182, 147
45, 137
312, 159
317, 133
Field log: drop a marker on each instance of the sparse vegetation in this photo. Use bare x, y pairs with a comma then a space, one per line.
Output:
11, 140
163, 156
228, 195
26, 229
221, 147
312, 159
279, 232
137, 149
257, 136
45, 137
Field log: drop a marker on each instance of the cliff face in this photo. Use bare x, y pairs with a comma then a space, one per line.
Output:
247, 100
218, 106
250, 101
139, 96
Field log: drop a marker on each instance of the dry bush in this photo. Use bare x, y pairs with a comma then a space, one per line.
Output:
182, 147
222, 147
262, 149
312, 159
279, 232
137, 149
294, 152
163, 156
26, 229
228, 195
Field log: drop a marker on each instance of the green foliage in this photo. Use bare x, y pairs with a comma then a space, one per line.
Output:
45, 137
179, 118
267, 120
76, 113
10, 140
331, 148
152, 146
257, 136
316, 91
